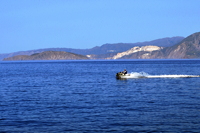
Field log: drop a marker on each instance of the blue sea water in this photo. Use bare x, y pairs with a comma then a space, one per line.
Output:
85, 96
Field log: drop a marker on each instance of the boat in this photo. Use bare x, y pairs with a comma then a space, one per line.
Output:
121, 75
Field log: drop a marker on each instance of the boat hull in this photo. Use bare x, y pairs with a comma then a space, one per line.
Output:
121, 75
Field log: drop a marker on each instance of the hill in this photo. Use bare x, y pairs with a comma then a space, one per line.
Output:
188, 48
48, 55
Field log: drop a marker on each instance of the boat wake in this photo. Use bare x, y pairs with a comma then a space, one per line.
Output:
146, 75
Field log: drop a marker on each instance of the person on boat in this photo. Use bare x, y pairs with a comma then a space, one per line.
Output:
124, 72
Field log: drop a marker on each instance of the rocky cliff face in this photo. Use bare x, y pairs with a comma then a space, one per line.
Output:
146, 50
48, 55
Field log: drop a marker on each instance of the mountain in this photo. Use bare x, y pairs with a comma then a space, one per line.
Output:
104, 51
48, 55
188, 48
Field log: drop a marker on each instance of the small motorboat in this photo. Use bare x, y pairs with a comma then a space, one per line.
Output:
121, 75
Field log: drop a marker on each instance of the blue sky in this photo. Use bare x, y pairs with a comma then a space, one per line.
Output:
35, 24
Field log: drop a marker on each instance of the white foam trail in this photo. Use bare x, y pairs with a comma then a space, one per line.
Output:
146, 75
173, 76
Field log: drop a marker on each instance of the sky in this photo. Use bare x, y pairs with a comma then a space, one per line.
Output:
35, 24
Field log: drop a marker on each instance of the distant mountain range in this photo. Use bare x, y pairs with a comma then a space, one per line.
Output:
166, 48
104, 51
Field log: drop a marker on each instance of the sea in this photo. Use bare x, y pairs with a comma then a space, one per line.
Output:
84, 96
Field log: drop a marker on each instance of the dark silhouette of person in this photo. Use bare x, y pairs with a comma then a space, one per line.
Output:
124, 72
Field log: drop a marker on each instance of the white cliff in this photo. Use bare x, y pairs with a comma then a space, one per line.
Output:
136, 49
